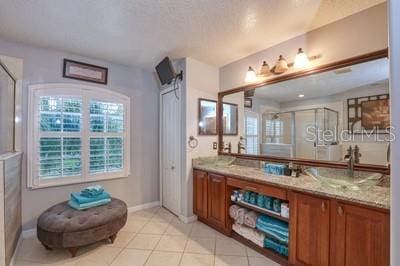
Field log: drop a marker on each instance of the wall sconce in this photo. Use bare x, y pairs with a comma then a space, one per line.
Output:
300, 61
250, 75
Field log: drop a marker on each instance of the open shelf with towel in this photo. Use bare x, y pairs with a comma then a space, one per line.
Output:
261, 210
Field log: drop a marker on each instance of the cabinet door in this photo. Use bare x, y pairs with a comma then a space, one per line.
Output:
216, 200
362, 236
200, 193
309, 230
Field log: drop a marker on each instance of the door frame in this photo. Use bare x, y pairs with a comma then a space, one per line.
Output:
178, 166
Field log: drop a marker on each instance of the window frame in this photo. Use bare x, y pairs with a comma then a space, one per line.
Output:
251, 114
86, 94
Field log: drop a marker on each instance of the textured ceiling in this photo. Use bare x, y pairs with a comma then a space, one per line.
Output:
328, 83
141, 32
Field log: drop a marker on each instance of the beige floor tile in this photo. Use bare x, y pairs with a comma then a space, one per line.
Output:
131, 257
230, 247
25, 263
262, 262
143, 241
89, 262
143, 214
133, 225
164, 258
123, 238
252, 253
179, 228
231, 260
189, 259
32, 250
202, 230
102, 254
200, 245
172, 243
154, 227
163, 215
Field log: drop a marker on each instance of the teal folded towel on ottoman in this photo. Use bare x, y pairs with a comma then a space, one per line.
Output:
82, 199
92, 191
73, 204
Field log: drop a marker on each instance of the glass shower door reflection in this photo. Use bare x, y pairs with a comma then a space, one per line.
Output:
305, 130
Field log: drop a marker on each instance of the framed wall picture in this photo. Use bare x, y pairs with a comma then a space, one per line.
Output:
368, 113
86, 72
248, 102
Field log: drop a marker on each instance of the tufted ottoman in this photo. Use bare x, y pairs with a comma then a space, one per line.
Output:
64, 227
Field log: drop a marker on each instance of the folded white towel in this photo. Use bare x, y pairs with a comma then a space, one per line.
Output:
251, 234
250, 219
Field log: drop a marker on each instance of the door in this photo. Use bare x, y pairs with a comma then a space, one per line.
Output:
171, 151
200, 193
309, 230
362, 236
216, 200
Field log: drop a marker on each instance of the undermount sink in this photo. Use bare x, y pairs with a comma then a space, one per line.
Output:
220, 161
338, 178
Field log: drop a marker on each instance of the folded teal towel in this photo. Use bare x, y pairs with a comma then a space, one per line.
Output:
268, 202
82, 199
247, 196
279, 248
92, 191
272, 227
73, 204
253, 198
261, 201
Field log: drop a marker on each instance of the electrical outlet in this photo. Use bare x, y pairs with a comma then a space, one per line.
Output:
215, 145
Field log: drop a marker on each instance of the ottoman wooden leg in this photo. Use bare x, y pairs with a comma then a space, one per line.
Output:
73, 251
46, 247
112, 238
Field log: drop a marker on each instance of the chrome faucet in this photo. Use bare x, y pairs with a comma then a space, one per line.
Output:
228, 148
350, 162
240, 145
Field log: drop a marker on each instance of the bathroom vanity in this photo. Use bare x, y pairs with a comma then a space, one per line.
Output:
327, 226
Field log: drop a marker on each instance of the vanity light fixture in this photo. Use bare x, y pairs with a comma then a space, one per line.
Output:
250, 75
301, 60
281, 65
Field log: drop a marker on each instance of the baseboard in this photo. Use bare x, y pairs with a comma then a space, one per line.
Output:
189, 219
144, 206
16, 249
29, 233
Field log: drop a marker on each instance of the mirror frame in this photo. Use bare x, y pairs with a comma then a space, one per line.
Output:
385, 169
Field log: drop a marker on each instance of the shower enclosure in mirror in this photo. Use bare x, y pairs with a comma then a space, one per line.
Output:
305, 117
7, 105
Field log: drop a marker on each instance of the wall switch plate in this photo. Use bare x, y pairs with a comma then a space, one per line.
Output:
215, 145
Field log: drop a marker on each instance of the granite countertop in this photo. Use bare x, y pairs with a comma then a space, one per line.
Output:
376, 196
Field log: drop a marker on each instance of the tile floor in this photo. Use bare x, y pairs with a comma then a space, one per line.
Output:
150, 237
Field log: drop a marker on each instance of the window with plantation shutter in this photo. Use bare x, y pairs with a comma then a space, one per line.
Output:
78, 134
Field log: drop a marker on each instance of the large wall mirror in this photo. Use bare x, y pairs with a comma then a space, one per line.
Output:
318, 115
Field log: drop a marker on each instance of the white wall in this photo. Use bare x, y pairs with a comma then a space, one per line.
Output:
358, 34
201, 81
394, 35
142, 186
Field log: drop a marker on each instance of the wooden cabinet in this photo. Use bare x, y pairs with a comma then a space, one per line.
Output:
309, 230
200, 190
217, 200
361, 236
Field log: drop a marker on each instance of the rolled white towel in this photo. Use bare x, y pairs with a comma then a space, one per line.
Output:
233, 211
240, 215
250, 219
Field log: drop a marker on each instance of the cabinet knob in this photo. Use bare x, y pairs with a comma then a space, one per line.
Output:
323, 206
340, 210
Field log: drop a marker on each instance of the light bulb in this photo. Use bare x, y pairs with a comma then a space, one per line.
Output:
301, 96
301, 59
250, 75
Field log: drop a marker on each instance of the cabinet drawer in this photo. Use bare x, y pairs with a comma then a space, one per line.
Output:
259, 188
